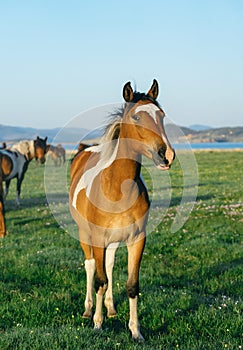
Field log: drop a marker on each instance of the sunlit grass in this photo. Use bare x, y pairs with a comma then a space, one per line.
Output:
190, 280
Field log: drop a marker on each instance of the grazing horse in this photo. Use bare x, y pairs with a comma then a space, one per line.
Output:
2, 214
16, 159
109, 200
58, 154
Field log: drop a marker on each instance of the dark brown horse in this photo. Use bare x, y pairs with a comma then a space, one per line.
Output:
15, 160
109, 200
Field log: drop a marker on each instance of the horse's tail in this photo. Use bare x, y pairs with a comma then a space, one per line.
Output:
2, 214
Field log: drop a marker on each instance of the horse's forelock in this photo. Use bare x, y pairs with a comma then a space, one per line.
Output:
112, 130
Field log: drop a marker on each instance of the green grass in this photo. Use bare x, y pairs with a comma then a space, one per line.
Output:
190, 281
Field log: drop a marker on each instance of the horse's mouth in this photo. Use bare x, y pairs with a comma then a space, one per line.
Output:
41, 160
162, 167
161, 163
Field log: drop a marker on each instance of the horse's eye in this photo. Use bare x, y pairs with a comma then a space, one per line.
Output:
136, 117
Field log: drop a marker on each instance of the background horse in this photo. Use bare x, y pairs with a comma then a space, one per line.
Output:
109, 201
58, 154
3, 145
15, 161
2, 214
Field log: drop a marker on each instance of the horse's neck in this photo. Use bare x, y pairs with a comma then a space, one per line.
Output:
126, 165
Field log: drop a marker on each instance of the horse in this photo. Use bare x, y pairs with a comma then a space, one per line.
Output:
16, 159
4, 146
2, 213
109, 200
58, 154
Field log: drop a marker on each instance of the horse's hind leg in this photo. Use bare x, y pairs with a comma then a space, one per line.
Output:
90, 271
109, 263
101, 282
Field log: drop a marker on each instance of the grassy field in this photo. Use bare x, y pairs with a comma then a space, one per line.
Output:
191, 281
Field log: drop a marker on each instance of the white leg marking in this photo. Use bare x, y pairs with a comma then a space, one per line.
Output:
90, 270
109, 263
98, 317
17, 199
133, 321
5, 192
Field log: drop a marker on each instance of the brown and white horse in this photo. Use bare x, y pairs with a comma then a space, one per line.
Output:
15, 161
109, 200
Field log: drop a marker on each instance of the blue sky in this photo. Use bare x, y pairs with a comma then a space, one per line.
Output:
59, 58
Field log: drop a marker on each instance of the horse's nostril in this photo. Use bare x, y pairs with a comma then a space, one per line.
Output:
162, 151
166, 161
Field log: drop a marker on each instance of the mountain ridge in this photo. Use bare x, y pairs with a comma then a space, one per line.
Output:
68, 135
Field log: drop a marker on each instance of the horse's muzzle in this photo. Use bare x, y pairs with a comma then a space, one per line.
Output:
160, 158
42, 160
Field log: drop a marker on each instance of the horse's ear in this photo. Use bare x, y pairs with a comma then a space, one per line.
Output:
128, 92
45, 138
38, 138
154, 90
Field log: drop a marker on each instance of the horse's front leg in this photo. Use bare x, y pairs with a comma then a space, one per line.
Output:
135, 252
109, 264
7, 184
101, 283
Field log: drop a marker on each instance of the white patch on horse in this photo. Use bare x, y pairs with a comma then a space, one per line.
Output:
86, 180
150, 108
96, 148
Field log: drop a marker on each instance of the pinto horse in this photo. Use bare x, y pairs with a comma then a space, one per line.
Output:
15, 161
109, 200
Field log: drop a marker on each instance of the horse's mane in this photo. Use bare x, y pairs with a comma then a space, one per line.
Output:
25, 147
112, 130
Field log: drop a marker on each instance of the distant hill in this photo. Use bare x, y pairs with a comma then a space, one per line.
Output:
199, 127
16, 133
225, 134
10, 134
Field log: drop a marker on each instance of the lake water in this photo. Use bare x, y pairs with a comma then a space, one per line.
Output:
210, 145
193, 146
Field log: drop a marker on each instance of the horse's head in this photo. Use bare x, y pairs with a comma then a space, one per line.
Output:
41, 148
143, 122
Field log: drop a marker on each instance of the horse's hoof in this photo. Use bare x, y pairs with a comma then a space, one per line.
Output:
138, 338
97, 328
87, 314
111, 313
